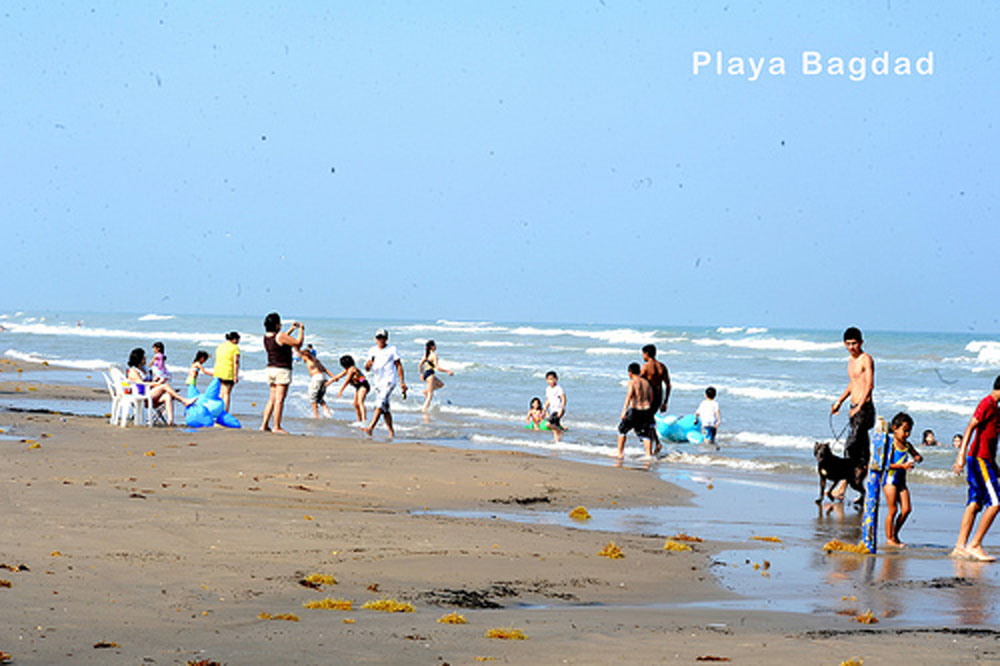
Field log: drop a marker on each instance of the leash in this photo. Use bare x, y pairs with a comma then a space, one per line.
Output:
836, 437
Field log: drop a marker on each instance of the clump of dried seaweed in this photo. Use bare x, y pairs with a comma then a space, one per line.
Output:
841, 547
329, 604
612, 551
288, 617
388, 606
771, 539
868, 617
675, 546
452, 618
506, 634
580, 513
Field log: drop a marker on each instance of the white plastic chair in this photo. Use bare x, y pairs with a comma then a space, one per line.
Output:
115, 398
131, 401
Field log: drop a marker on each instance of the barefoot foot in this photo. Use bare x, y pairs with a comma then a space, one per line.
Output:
979, 554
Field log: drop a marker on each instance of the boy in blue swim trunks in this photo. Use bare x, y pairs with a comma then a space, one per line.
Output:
902, 457
984, 489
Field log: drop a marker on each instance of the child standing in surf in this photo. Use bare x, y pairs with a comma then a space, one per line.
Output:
902, 458
555, 404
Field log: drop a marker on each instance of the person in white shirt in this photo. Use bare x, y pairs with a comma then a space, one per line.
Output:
385, 369
708, 415
555, 404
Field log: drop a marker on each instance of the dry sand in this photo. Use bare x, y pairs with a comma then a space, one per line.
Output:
169, 545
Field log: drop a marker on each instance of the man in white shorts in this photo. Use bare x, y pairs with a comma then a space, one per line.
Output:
385, 369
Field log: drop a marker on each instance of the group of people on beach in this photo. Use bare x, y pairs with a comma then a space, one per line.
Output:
383, 364
977, 448
647, 392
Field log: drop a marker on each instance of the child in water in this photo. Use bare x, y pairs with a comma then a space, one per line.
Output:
197, 365
358, 381
535, 414
902, 457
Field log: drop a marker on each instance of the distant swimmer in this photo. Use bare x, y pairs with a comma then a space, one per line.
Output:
860, 385
638, 412
981, 475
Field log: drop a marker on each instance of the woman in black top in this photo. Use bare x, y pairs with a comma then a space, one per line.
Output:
279, 348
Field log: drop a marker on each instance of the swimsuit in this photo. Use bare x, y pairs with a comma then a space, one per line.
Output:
359, 382
897, 477
429, 371
639, 420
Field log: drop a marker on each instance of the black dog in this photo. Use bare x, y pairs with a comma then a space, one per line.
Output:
833, 468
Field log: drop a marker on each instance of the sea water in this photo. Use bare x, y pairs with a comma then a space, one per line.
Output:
775, 386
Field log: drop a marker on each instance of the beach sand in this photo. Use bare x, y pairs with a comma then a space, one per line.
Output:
168, 545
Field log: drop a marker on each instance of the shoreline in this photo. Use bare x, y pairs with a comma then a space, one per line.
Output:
173, 555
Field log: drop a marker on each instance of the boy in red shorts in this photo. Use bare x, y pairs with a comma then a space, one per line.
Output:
984, 488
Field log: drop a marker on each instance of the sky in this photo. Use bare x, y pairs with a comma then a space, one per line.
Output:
539, 161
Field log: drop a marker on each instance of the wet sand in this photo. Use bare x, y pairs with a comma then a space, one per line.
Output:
170, 544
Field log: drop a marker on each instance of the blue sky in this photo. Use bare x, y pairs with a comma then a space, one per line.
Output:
551, 161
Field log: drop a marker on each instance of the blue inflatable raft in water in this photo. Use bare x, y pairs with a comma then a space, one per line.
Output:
682, 429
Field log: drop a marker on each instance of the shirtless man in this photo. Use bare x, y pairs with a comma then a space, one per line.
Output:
656, 374
860, 384
637, 412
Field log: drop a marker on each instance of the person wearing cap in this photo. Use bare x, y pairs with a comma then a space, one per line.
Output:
385, 369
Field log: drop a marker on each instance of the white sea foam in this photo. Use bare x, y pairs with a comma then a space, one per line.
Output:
763, 393
494, 343
614, 336
775, 441
545, 444
155, 317
725, 330
479, 413
78, 364
756, 329
443, 326
987, 351
936, 407
706, 460
611, 351
768, 344
89, 332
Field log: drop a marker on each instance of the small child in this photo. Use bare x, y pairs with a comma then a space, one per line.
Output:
197, 365
535, 414
956, 441
708, 415
158, 366
901, 458
555, 405
929, 439
358, 381
317, 380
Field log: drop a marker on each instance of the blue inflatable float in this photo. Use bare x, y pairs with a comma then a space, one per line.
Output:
208, 409
683, 429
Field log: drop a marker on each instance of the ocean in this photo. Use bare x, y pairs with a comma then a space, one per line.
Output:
775, 386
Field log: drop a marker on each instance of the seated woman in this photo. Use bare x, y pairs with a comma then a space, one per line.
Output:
161, 392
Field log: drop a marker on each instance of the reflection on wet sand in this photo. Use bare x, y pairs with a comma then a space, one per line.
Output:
970, 602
